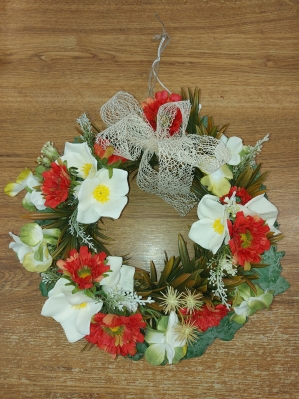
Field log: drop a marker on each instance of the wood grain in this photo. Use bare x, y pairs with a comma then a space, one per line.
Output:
62, 58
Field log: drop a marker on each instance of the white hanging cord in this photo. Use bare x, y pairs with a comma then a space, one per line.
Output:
153, 76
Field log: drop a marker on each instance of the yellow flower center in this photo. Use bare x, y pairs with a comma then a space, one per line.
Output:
84, 272
80, 306
86, 169
114, 329
218, 226
246, 239
101, 193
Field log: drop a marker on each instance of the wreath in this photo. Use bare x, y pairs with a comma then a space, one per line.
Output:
187, 160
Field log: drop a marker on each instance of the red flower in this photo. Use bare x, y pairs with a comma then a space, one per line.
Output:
108, 153
56, 185
242, 196
83, 268
151, 107
249, 239
205, 317
117, 335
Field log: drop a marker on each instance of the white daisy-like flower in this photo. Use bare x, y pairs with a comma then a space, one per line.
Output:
72, 311
211, 229
102, 196
80, 157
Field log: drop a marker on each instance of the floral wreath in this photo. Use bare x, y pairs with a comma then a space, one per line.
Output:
186, 160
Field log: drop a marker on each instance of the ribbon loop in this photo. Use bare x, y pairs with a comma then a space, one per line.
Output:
131, 135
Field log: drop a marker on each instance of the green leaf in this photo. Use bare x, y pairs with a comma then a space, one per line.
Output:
141, 348
269, 277
225, 331
155, 354
45, 288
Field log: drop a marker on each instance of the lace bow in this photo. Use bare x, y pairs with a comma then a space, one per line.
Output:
132, 136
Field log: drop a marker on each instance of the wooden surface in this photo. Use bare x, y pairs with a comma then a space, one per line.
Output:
62, 58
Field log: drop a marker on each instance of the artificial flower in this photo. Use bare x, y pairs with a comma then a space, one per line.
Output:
31, 247
151, 107
248, 239
247, 302
172, 300
12, 189
241, 195
79, 156
49, 154
72, 311
34, 198
235, 145
262, 207
117, 335
166, 342
211, 229
107, 154
120, 277
205, 317
56, 185
83, 268
217, 182
102, 196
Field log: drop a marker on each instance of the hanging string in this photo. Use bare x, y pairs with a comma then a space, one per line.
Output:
153, 76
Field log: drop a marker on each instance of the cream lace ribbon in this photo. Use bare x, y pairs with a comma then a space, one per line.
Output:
131, 135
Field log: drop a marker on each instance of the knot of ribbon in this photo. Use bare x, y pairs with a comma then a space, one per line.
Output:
132, 136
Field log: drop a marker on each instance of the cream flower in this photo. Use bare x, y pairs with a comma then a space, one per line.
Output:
166, 341
72, 311
80, 157
235, 145
12, 189
217, 182
211, 230
250, 302
31, 247
102, 196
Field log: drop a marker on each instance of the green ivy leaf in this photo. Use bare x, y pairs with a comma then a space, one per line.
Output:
270, 278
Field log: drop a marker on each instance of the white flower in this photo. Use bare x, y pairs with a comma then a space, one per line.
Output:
34, 197
165, 341
235, 145
211, 230
72, 311
31, 247
80, 157
102, 196
120, 277
260, 206
217, 182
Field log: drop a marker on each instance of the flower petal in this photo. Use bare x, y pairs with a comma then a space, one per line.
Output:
113, 277
155, 354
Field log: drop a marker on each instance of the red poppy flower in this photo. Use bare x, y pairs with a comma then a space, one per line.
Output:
108, 153
55, 187
249, 239
205, 317
117, 335
242, 195
151, 107
84, 268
